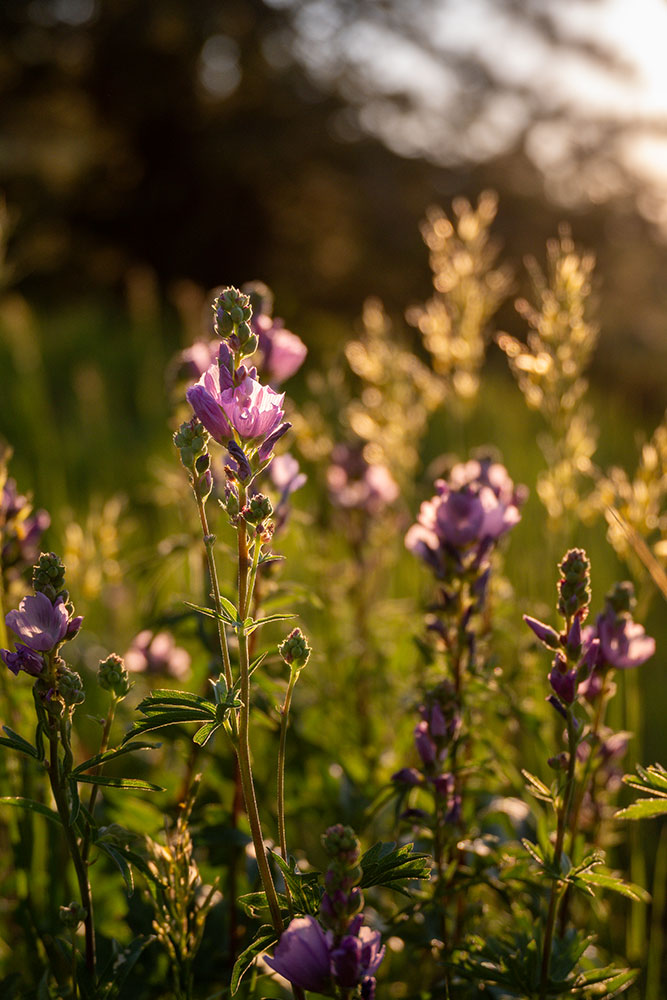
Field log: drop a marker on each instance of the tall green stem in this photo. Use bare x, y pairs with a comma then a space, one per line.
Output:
558, 853
72, 844
209, 542
243, 745
104, 743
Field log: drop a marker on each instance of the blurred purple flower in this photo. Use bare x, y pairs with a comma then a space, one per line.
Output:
285, 475
302, 955
24, 658
22, 529
157, 654
407, 776
283, 352
355, 484
426, 748
40, 624
470, 512
198, 358
623, 642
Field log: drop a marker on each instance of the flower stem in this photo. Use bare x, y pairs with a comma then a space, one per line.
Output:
243, 744
104, 743
558, 853
72, 844
209, 542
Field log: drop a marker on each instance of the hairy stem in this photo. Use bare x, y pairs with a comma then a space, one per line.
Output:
104, 743
243, 745
209, 542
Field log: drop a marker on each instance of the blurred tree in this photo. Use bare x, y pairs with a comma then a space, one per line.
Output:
217, 141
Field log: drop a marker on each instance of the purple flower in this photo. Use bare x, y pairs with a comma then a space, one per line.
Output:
302, 955
198, 358
426, 748
24, 658
355, 484
283, 352
285, 475
407, 776
469, 513
40, 624
623, 642
205, 400
564, 684
157, 654
253, 410
22, 530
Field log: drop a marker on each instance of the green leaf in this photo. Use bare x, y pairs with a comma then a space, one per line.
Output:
138, 862
17, 742
172, 718
391, 866
251, 624
111, 782
120, 862
534, 851
264, 938
537, 787
224, 616
121, 965
256, 906
102, 758
606, 880
644, 809
304, 887
164, 698
203, 735
22, 803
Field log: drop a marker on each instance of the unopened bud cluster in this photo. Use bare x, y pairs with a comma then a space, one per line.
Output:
70, 687
342, 899
48, 577
295, 651
191, 439
232, 313
112, 675
574, 587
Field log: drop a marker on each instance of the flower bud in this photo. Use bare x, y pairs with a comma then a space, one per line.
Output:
112, 675
574, 585
70, 687
622, 598
258, 509
73, 915
549, 636
191, 439
295, 650
48, 576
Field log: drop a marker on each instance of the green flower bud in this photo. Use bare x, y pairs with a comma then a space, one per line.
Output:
191, 439
112, 675
258, 509
574, 586
73, 915
295, 650
70, 687
621, 598
48, 576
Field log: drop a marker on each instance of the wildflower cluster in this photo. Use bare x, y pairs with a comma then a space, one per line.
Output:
21, 527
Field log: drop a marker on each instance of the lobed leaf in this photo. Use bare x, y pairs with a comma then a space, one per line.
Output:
387, 865
644, 809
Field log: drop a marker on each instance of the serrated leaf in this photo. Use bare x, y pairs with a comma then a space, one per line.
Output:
165, 698
256, 906
387, 865
644, 809
203, 735
101, 758
304, 887
264, 938
173, 718
112, 782
23, 803
17, 742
